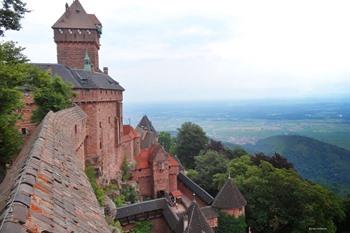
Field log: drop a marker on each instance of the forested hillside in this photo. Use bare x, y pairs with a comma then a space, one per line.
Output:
315, 160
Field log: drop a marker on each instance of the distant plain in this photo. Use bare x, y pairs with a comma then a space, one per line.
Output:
246, 122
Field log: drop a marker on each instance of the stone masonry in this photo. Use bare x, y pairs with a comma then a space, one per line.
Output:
46, 189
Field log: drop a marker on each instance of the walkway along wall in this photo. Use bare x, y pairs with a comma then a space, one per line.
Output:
46, 189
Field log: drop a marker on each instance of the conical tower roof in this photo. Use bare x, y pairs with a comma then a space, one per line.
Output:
197, 223
229, 197
146, 124
75, 17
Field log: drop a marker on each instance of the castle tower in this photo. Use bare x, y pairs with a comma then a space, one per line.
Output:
76, 32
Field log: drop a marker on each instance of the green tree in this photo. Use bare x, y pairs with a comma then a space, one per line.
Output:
53, 95
12, 73
16, 75
206, 167
11, 13
126, 167
164, 138
279, 200
190, 140
343, 225
129, 193
276, 160
229, 224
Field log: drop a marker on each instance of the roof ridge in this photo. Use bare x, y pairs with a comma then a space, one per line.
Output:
229, 196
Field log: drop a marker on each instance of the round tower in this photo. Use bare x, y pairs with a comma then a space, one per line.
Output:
76, 32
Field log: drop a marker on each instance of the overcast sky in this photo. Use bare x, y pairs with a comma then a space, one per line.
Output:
162, 50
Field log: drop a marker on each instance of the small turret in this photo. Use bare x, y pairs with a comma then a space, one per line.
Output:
230, 200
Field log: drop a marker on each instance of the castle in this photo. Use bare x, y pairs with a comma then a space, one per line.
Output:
46, 189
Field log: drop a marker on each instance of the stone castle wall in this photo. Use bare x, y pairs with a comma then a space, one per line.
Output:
72, 45
25, 125
46, 187
104, 146
104, 129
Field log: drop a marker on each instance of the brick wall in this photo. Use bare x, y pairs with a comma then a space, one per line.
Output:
25, 126
72, 45
46, 187
104, 146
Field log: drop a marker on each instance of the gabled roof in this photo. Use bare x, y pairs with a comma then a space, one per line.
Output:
130, 133
146, 124
197, 222
158, 153
155, 152
229, 197
209, 212
81, 79
75, 17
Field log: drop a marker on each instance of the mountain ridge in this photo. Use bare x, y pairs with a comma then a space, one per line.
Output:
315, 160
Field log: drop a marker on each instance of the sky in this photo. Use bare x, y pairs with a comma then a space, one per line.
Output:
193, 50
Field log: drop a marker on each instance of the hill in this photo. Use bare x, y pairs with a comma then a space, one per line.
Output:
317, 161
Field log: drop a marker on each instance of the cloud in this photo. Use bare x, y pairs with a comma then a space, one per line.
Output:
224, 49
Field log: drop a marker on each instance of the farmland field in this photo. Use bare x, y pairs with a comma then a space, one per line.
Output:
247, 122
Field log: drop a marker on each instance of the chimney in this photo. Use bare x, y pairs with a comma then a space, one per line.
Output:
105, 70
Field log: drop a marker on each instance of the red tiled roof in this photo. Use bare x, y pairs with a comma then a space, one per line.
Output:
130, 131
143, 159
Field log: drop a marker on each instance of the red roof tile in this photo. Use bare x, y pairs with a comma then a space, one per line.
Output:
130, 132
148, 154
143, 158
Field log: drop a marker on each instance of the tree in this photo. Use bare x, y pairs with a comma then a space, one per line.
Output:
279, 200
277, 160
53, 95
164, 138
229, 224
344, 224
190, 140
206, 166
226, 151
11, 13
49, 94
12, 72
